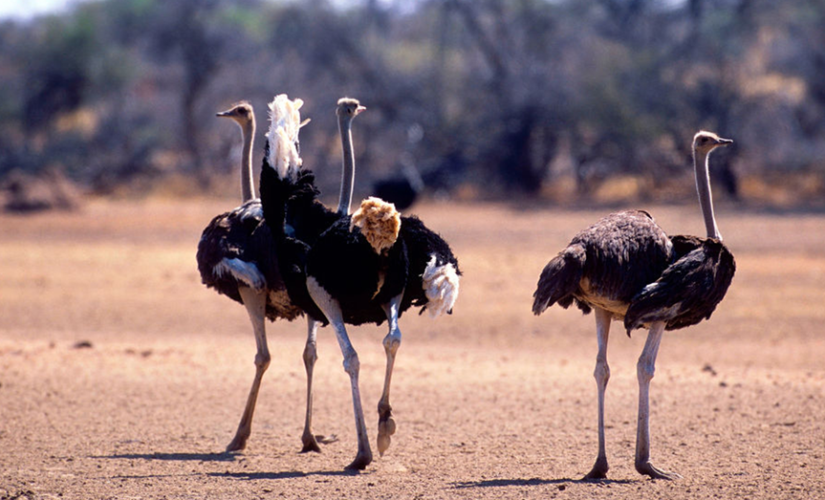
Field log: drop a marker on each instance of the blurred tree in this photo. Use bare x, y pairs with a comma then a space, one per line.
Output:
195, 36
57, 70
122, 88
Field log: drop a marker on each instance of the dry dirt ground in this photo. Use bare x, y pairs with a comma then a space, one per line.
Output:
491, 402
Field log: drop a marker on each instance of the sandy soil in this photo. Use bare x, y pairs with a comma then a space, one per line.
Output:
491, 402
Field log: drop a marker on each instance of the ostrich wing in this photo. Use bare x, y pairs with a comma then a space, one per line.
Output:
689, 289
560, 278
433, 269
225, 256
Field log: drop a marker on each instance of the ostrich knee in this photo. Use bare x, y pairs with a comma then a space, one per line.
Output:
601, 373
392, 343
262, 360
351, 364
645, 369
310, 355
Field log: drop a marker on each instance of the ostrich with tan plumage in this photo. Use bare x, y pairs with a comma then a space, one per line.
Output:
627, 269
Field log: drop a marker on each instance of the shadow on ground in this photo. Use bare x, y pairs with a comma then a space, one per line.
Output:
498, 483
257, 476
181, 457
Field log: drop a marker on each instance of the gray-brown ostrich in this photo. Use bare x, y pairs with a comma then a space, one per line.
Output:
229, 261
626, 268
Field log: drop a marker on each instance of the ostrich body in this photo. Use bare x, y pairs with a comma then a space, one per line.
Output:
626, 268
365, 268
235, 257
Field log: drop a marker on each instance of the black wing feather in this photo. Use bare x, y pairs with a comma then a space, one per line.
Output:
689, 289
228, 236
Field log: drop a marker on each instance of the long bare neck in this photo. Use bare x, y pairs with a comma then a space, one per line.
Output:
247, 182
700, 165
348, 170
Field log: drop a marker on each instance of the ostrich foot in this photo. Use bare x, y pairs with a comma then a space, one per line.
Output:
311, 441
648, 469
599, 470
386, 428
238, 442
362, 460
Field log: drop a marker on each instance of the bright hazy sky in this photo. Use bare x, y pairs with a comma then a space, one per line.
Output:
26, 9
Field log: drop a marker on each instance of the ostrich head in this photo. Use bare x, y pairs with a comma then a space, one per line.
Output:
348, 108
241, 113
705, 142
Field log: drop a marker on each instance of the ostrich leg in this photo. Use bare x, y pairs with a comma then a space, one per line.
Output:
386, 424
644, 370
255, 302
602, 375
332, 311
310, 356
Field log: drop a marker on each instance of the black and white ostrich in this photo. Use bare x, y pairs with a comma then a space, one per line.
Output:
626, 268
366, 268
236, 258
307, 229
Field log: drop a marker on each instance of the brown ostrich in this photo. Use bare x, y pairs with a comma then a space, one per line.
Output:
626, 268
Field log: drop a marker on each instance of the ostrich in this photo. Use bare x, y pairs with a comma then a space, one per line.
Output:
365, 268
625, 267
228, 256
346, 110
235, 258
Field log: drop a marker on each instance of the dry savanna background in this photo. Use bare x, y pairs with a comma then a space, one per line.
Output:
512, 125
121, 376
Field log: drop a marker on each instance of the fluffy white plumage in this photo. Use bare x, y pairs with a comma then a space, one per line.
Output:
284, 124
441, 287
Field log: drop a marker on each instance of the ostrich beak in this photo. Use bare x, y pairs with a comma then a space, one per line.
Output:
360, 109
725, 142
222, 113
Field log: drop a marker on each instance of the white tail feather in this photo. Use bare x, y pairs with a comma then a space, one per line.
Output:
245, 272
284, 124
441, 287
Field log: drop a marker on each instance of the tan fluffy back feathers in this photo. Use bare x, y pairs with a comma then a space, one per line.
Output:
379, 222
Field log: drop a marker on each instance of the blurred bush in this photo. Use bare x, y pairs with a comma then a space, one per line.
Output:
531, 97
